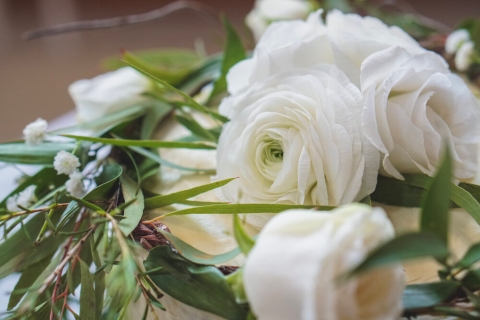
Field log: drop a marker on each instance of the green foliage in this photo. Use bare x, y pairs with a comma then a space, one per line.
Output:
426, 295
235, 280
168, 199
43, 154
472, 25
232, 53
202, 287
436, 202
245, 242
87, 294
134, 212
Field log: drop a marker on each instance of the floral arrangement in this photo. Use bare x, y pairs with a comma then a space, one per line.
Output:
264, 184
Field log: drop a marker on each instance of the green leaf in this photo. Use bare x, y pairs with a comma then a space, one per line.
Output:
235, 280
207, 72
168, 199
405, 247
394, 192
195, 128
144, 143
155, 157
196, 256
42, 154
171, 65
88, 205
470, 257
245, 242
45, 180
87, 293
134, 212
202, 287
28, 277
189, 101
426, 295
436, 202
466, 201
243, 208
472, 280
156, 113
233, 53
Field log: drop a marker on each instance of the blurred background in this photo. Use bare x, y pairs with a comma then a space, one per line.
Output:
34, 75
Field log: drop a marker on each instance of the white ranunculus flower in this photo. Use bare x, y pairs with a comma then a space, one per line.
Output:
413, 107
285, 45
296, 138
108, 93
268, 11
463, 58
346, 40
455, 40
292, 271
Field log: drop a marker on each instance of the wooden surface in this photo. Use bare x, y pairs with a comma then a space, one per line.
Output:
34, 75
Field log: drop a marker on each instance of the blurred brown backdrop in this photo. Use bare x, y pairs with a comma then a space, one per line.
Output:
34, 75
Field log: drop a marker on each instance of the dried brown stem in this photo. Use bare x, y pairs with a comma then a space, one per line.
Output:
121, 21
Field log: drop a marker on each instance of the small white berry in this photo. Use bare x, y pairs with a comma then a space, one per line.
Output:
74, 185
463, 58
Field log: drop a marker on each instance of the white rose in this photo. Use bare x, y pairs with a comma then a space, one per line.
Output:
463, 58
291, 271
296, 138
267, 11
413, 106
455, 40
346, 40
108, 93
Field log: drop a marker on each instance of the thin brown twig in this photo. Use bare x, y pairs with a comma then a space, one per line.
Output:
145, 295
121, 21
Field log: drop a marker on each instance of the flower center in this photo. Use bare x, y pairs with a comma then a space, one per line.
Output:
273, 152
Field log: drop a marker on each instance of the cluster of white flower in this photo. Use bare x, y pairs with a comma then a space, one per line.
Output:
24, 199
317, 112
35, 132
458, 43
67, 163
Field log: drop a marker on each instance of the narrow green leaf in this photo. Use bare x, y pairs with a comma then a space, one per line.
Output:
88, 205
232, 53
168, 199
87, 293
470, 257
206, 73
405, 247
191, 124
196, 256
155, 114
155, 157
245, 242
42, 154
426, 295
188, 100
202, 287
133, 212
244, 208
144, 143
436, 202
394, 192
466, 201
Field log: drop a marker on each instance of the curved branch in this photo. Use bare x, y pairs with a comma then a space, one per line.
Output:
121, 21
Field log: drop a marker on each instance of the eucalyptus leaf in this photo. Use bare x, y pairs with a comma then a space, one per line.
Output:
394, 192
42, 154
244, 208
168, 199
133, 212
232, 53
426, 295
144, 143
466, 201
245, 242
470, 257
405, 247
196, 256
436, 202
87, 293
202, 287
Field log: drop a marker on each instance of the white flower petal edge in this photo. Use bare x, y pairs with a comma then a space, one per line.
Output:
455, 40
108, 93
291, 271
413, 107
267, 11
35, 132
297, 138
